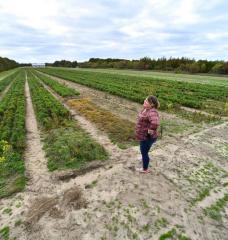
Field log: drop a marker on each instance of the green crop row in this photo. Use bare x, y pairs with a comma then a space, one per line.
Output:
61, 89
12, 138
7, 80
65, 143
50, 113
170, 93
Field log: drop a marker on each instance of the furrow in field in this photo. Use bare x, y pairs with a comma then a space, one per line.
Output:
36, 163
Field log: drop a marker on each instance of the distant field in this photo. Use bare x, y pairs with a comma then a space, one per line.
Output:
172, 94
6, 73
214, 80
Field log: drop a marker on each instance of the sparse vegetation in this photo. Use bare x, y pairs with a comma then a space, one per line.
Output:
4, 232
173, 235
120, 131
217, 210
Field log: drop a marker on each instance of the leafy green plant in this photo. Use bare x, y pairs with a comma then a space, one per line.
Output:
12, 138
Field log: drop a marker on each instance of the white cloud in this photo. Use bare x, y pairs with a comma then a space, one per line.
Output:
50, 29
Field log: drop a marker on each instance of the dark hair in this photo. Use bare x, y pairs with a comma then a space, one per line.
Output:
153, 100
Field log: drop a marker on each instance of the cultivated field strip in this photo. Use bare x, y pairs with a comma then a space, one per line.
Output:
120, 131
7, 73
65, 143
202, 79
12, 138
171, 94
183, 198
98, 135
63, 91
4, 83
126, 109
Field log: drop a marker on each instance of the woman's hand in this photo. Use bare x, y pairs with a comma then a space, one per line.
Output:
150, 131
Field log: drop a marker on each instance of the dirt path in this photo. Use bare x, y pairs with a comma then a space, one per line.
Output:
36, 163
122, 204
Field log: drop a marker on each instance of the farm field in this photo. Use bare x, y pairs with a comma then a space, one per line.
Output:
172, 94
68, 156
6, 73
192, 78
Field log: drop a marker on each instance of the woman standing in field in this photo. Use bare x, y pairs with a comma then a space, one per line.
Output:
146, 129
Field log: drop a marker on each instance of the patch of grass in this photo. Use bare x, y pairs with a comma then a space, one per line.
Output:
173, 235
18, 205
215, 210
18, 223
201, 195
91, 185
195, 117
4, 232
146, 227
225, 184
161, 223
223, 150
120, 131
9, 181
144, 203
172, 126
70, 147
204, 178
7, 211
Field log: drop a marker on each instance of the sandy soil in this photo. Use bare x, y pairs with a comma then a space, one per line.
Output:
117, 202
35, 161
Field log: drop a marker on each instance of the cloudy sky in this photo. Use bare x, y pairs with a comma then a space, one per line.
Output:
49, 30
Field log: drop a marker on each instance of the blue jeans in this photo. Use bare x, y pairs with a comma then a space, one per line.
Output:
144, 149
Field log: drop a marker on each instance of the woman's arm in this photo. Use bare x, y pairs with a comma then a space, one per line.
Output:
154, 121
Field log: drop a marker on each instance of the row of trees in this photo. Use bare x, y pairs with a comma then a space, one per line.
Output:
6, 64
62, 63
184, 65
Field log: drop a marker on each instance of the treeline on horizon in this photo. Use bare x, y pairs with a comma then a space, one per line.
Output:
178, 65
7, 64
